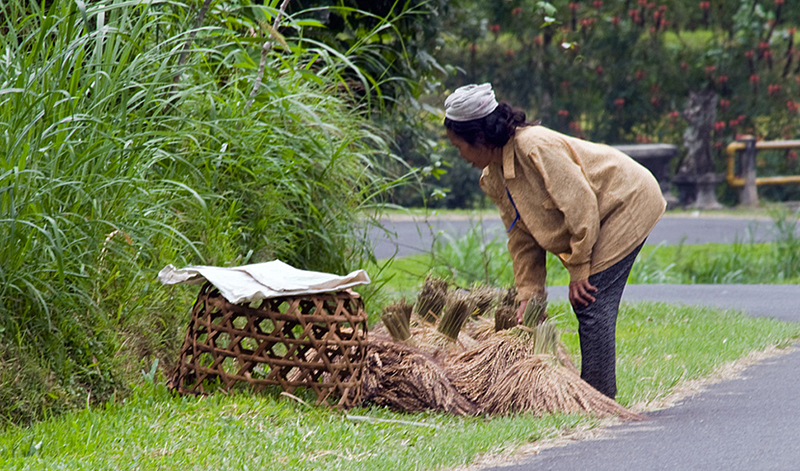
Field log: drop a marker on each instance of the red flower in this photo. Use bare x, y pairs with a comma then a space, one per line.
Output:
779, 2
653, 30
684, 66
615, 20
722, 79
773, 89
748, 55
705, 5
619, 102
563, 113
599, 70
640, 74
719, 126
573, 6
754, 79
516, 11
597, 4
724, 104
792, 106
674, 115
733, 123
763, 45
710, 69
495, 28
575, 126
791, 156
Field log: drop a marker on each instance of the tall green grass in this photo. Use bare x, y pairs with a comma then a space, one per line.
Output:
120, 154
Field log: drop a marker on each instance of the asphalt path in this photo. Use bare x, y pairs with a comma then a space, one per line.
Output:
409, 237
747, 423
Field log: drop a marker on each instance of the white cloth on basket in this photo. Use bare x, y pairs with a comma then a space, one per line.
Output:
258, 281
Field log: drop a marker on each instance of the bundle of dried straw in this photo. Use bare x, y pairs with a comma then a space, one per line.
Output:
405, 379
431, 299
521, 369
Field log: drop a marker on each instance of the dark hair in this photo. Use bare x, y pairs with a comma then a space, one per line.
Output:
493, 130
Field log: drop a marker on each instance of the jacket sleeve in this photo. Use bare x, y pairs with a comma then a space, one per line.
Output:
527, 257
569, 189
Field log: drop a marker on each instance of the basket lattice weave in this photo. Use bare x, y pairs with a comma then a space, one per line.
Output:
317, 342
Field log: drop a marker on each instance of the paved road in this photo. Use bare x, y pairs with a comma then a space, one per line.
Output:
412, 237
748, 423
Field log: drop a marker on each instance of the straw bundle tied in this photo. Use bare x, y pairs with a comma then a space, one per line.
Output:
403, 378
505, 315
400, 308
483, 297
396, 318
476, 369
431, 299
542, 386
458, 307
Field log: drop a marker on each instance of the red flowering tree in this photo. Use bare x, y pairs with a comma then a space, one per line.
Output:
621, 71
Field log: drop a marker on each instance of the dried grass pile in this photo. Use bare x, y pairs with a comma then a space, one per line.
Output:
430, 300
541, 385
443, 358
404, 378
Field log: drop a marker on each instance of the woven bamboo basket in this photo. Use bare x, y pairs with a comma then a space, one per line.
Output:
316, 342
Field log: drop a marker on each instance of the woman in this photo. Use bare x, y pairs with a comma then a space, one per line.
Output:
589, 204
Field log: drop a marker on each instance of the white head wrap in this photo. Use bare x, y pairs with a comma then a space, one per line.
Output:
470, 102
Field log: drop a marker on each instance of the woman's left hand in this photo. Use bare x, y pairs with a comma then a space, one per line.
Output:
580, 292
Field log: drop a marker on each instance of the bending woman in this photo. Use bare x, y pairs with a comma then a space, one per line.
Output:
588, 203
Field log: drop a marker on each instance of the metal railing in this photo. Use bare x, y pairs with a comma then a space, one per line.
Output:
748, 180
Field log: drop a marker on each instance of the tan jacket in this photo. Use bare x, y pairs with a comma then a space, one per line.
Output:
588, 203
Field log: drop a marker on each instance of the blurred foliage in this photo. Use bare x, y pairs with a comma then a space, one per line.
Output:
621, 72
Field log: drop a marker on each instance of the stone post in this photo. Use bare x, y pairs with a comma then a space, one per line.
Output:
748, 195
696, 176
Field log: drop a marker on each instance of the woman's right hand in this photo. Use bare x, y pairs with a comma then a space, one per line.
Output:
580, 292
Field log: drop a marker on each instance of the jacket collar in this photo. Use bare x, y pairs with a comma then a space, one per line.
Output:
509, 172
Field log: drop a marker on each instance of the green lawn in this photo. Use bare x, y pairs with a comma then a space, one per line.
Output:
660, 347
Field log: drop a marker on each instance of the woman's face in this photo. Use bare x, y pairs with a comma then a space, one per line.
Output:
479, 155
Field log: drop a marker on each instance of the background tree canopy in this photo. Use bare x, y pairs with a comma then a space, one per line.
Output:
620, 72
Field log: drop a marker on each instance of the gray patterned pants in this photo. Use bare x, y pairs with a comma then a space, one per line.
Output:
597, 325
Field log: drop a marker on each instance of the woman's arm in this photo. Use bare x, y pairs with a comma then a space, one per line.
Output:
527, 256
